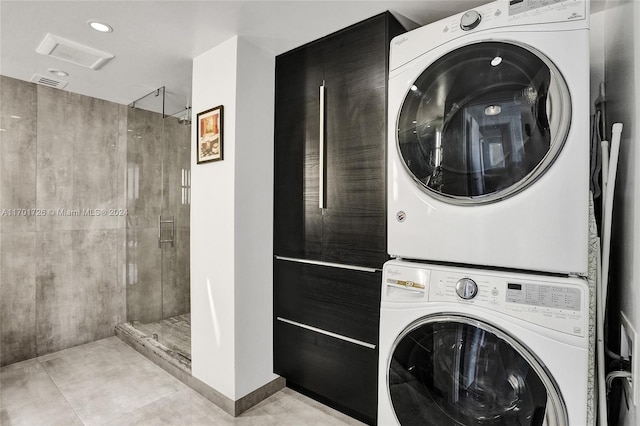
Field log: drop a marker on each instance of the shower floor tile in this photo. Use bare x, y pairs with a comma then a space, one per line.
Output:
174, 332
107, 382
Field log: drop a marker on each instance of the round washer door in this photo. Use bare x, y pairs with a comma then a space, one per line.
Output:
483, 122
454, 370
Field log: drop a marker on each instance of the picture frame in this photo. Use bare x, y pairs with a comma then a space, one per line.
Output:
209, 141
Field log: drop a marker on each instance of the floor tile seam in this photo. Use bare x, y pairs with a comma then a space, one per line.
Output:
75, 413
72, 383
155, 369
66, 382
133, 411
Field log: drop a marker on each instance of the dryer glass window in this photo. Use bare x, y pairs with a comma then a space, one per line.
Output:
457, 371
483, 122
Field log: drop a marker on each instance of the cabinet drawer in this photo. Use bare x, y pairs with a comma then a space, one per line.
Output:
343, 373
338, 300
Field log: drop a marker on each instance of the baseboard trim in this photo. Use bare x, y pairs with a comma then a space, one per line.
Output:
181, 370
259, 395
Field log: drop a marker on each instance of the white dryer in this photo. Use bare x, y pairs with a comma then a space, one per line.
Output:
489, 138
476, 347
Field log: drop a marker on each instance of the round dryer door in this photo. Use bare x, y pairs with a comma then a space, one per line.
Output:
483, 122
447, 370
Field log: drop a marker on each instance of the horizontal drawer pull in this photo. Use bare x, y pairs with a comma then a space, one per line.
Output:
327, 333
329, 264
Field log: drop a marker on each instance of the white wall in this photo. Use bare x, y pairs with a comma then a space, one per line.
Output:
212, 227
621, 41
254, 218
231, 223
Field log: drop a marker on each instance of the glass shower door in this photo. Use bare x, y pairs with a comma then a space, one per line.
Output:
174, 236
158, 199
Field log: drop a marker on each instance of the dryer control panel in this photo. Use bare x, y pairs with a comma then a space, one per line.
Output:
557, 303
515, 12
541, 6
492, 18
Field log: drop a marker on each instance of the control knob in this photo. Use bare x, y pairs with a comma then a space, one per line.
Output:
470, 20
466, 288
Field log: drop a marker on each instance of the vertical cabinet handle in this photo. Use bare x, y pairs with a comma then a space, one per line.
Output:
321, 166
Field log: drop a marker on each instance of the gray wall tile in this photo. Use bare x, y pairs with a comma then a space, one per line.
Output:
17, 297
76, 287
77, 159
17, 153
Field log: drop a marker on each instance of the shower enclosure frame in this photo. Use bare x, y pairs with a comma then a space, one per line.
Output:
157, 232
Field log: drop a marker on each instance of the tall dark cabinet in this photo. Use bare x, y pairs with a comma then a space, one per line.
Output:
330, 213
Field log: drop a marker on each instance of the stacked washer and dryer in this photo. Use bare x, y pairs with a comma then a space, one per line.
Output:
485, 306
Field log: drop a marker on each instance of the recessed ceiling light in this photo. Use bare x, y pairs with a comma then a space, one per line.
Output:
100, 26
59, 73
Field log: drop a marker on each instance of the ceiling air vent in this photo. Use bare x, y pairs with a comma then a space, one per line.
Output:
70, 51
48, 81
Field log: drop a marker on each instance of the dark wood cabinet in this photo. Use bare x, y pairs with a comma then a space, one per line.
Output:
327, 277
298, 220
352, 66
355, 220
337, 373
342, 301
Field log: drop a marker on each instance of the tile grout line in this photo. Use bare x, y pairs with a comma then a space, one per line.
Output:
160, 371
59, 390
129, 413
120, 415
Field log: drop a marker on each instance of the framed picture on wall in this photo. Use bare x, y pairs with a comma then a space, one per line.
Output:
209, 138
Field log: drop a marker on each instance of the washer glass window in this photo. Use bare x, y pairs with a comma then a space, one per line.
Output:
453, 370
483, 122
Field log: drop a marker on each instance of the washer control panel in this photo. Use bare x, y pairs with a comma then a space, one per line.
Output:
544, 296
558, 303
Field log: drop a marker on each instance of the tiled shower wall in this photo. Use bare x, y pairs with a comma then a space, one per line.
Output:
62, 165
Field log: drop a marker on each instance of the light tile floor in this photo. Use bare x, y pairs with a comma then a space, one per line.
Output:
108, 383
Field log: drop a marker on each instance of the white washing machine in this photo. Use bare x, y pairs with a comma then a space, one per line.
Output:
489, 138
462, 346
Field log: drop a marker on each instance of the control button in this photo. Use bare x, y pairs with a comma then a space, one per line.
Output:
470, 20
498, 12
466, 288
495, 292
